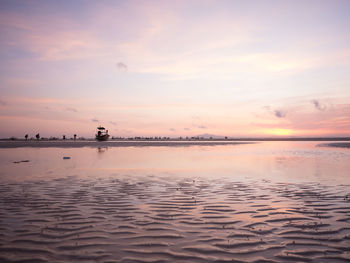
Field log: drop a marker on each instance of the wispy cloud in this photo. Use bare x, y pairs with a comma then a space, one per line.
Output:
71, 109
3, 103
318, 105
113, 123
122, 67
202, 127
172, 129
94, 120
280, 113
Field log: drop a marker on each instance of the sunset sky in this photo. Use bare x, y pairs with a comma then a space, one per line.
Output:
175, 68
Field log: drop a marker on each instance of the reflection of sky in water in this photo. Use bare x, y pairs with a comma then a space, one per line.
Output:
277, 161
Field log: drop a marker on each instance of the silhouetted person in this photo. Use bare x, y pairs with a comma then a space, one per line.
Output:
99, 133
37, 136
64, 137
75, 137
26, 136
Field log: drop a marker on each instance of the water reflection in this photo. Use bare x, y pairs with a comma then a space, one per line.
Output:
279, 161
102, 149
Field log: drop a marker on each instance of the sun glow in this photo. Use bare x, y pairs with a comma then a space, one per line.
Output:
280, 132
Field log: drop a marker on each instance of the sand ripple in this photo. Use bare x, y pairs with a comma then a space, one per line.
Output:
150, 220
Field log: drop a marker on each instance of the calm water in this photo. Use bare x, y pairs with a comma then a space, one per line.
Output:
277, 161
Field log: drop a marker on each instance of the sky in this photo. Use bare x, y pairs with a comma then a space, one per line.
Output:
175, 68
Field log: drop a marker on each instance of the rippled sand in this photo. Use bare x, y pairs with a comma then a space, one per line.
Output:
162, 219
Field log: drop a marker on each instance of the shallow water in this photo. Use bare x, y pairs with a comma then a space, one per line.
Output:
264, 202
278, 161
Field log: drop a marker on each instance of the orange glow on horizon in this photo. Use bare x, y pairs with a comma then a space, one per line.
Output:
280, 132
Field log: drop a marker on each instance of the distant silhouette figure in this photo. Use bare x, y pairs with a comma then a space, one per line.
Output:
26, 136
75, 137
64, 137
99, 133
37, 136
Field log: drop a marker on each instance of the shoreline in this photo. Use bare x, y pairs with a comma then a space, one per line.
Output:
336, 144
6, 144
97, 144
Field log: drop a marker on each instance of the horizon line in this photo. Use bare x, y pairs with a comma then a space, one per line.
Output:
192, 138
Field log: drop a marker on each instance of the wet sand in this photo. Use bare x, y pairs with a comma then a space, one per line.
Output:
163, 219
263, 202
336, 144
97, 144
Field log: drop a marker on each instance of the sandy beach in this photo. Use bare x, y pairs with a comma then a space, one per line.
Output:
336, 144
162, 215
173, 221
141, 143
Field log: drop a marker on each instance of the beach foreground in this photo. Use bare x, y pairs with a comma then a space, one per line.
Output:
159, 216
156, 220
